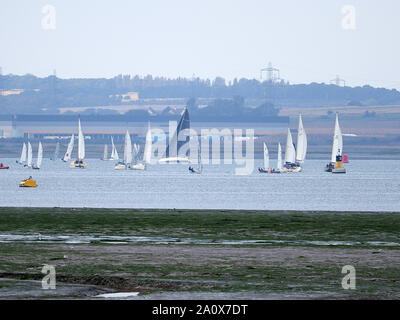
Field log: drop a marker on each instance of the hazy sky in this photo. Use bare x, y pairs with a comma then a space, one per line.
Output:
229, 38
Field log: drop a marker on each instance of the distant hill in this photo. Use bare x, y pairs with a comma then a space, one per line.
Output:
239, 99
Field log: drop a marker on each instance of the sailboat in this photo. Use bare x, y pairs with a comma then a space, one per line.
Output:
56, 152
67, 155
79, 162
29, 156
265, 169
279, 161
114, 152
174, 146
137, 165
39, 157
199, 169
148, 146
290, 156
335, 166
126, 163
22, 159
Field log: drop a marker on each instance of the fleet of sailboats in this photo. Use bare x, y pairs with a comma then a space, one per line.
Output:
294, 156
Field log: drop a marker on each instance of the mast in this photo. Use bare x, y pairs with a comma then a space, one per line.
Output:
279, 164
40, 155
266, 157
81, 142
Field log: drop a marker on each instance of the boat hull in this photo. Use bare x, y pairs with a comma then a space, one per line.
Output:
121, 166
339, 170
78, 164
138, 166
28, 183
174, 160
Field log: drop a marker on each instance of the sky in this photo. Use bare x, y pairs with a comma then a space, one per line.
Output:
308, 40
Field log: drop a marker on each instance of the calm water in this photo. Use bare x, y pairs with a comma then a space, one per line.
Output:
367, 186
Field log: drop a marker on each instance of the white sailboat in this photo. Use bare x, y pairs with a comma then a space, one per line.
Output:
279, 161
290, 156
79, 162
137, 165
301, 149
39, 157
148, 145
22, 159
265, 169
126, 163
335, 166
67, 155
29, 156
114, 152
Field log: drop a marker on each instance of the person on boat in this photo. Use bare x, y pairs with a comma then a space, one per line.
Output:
191, 169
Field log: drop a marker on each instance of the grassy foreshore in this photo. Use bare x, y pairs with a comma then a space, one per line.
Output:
299, 254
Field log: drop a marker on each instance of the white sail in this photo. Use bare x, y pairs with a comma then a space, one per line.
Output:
148, 145
81, 142
279, 164
290, 152
301, 142
127, 149
70, 147
22, 159
266, 157
29, 160
40, 155
114, 153
337, 145
105, 152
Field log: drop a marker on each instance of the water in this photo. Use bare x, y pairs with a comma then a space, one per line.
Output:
369, 185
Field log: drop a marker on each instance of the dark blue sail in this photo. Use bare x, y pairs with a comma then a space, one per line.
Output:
175, 144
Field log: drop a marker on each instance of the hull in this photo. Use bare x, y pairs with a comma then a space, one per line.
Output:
138, 166
78, 164
28, 183
174, 160
4, 167
262, 170
291, 170
121, 166
339, 170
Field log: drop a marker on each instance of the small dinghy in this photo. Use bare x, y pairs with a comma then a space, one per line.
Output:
39, 158
199, 169
28, 183
2, 166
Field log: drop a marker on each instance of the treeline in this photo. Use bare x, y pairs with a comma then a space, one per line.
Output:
45, 95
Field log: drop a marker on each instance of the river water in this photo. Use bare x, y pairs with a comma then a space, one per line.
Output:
369, 185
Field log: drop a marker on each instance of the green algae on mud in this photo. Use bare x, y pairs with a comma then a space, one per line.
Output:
205, 224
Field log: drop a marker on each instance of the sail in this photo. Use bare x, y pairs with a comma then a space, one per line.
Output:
337, 145
127, 149
40, 155
301, 142
81, 142
70, 147
199, 156
57, 151
105, 152
114, 152
279, 164
266, 157
29, 161
22, 159
148, 145
290, 152
183, 124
